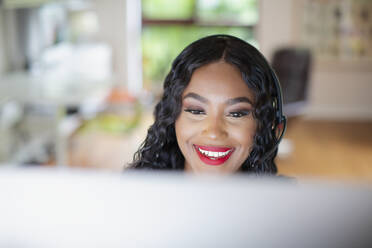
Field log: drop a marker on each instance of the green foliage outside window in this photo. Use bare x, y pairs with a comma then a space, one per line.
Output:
234, 11
168, 9
162, 43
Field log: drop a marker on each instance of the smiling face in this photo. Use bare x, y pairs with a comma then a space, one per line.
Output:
215, 128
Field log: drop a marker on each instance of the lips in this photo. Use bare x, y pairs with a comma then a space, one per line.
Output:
213, 155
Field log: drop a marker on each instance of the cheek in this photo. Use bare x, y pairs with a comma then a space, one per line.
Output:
244, 134
178, 127
183, 132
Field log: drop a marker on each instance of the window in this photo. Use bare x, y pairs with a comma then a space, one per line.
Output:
168, 26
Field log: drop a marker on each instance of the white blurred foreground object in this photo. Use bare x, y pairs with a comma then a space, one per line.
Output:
285, 148
62, 208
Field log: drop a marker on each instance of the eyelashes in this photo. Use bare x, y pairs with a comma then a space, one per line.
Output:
195, 111
239, 114
233, 114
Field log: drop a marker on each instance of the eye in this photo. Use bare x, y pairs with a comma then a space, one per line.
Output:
195, 111
239, 114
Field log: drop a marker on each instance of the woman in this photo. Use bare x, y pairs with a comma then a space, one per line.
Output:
220, 112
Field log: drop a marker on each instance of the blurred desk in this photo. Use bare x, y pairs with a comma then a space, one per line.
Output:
53, 91
329, 149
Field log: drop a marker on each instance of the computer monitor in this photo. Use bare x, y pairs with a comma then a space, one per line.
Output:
64, 208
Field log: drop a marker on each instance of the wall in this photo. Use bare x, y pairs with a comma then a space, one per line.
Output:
111, 16
338, 89
341, 90
120, 26
275, 27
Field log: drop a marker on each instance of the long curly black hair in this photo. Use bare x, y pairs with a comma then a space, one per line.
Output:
160, 149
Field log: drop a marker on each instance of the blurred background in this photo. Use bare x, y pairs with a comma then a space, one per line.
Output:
79, 78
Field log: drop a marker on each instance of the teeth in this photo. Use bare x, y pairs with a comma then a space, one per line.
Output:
214, 154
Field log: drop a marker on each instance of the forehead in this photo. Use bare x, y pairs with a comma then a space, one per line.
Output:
219, 80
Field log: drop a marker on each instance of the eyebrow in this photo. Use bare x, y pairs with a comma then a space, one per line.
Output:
238, 100
229, 102
197, 97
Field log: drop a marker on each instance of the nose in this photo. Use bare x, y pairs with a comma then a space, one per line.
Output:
214, 128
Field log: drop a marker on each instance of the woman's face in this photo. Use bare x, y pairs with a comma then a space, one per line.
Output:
215, 128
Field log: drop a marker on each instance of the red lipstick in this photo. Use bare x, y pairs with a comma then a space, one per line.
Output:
213, 155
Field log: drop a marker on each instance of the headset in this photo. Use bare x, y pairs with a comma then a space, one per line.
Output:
280, 123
